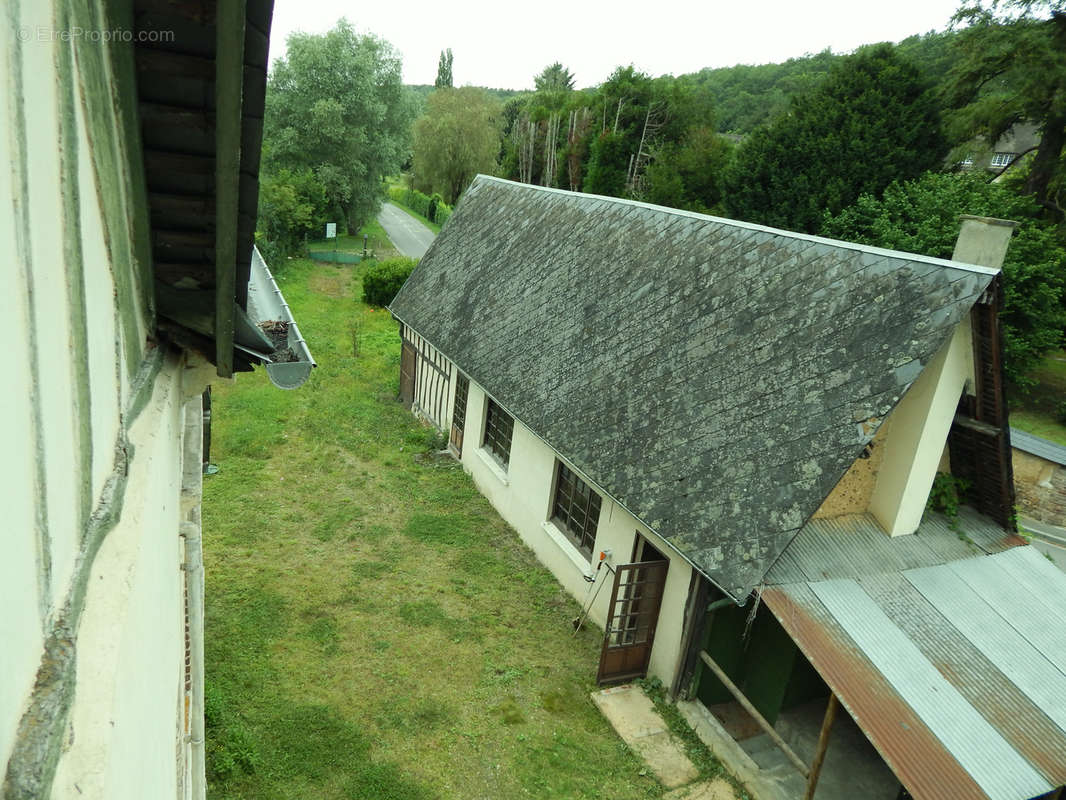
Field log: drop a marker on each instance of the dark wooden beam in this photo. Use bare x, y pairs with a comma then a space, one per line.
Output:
823, 745
745, 703
229, 80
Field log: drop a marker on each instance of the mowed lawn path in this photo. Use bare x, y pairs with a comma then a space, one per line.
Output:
374, 629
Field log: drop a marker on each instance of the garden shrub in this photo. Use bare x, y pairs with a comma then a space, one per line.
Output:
383, 280
417, 202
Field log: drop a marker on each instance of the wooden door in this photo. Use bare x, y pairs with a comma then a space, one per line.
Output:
462, 388
408, 359
631, 620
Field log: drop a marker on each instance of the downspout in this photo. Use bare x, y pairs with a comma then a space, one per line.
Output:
194, 582
193, 567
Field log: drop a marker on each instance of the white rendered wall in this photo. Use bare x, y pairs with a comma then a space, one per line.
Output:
63, 418
130, 659
523, 494
919, 428
21, 624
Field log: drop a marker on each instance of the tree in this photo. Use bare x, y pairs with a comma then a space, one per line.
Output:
688, 174
1011, 69
922, 216
444, 70
608, 165
554, 78
336, 104
554, 83
455, 139
291, 206
871, 120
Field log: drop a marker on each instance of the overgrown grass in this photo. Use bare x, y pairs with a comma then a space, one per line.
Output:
698, 753
1037, 411
374, 630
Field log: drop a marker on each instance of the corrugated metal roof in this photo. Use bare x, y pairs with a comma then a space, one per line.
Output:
983, 621
915, 755
997, 767
1049, 451
959, 664
856, 544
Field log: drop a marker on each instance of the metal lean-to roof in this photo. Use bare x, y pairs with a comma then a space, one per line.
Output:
715, 378
1049, 451
955, 671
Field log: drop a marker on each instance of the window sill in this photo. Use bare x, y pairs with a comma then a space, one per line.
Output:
493, 465
575, 555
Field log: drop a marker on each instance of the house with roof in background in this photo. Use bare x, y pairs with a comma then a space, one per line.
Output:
721, 439
131, 147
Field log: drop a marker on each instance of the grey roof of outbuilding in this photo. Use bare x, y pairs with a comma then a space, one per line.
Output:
955, 669
712, 376
1049, 451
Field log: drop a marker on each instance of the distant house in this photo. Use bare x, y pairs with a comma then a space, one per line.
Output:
732, 432
1019, 140
129, 185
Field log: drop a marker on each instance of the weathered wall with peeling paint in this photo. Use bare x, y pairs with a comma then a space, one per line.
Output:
894, 481
91, 420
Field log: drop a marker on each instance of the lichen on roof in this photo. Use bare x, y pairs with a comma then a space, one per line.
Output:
715, 378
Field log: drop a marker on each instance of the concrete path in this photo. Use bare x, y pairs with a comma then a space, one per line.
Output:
633, 716
409, 236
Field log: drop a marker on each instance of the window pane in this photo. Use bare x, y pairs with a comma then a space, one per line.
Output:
576, 509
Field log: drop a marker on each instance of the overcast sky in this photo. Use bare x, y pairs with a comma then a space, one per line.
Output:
504, 43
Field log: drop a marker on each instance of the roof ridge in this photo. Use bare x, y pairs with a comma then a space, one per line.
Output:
736, 223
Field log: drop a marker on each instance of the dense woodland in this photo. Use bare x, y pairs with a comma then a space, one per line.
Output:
865, 146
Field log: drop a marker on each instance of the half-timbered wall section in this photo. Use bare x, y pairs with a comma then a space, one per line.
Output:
432, 380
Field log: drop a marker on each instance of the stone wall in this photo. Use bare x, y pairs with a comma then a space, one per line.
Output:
1041, 488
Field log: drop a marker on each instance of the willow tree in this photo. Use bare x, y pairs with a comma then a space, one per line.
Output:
455, 139
336, 105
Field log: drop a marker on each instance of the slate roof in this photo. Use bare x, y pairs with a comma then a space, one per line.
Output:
712, 376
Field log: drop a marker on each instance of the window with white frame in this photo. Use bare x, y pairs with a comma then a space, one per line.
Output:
1002, 159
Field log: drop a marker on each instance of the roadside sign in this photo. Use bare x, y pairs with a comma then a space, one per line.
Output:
331, 230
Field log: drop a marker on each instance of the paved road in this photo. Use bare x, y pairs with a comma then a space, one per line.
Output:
410, 236
1048, 539
1056, 553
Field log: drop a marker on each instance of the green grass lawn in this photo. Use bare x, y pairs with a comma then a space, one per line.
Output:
377, 240
1036, 411
374, 630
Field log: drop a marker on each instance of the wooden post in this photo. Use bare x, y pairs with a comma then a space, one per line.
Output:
229, 82
759, 718
823, 743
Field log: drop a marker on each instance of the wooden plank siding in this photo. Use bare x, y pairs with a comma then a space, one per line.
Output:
433, 379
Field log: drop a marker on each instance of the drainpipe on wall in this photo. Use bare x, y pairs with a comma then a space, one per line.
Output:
193, 566
194, 577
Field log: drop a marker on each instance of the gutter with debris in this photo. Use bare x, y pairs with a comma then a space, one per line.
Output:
290, 363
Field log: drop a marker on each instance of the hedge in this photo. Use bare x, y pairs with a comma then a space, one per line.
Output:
432, 208
383, 280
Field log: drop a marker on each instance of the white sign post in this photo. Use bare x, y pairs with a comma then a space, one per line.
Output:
331, 233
